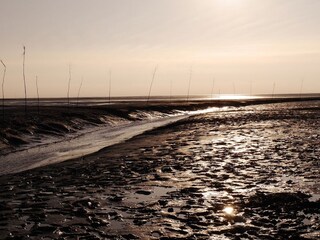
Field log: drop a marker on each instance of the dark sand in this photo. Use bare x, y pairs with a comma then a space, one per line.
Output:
175, 182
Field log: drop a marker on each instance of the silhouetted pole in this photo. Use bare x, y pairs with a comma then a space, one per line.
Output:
170, 90
24, 80
110, 86
3, 78
79, 91
190, 77
234, 88
301, 86
212, 89
68, 96
219, 99
152, 80
38, 95
273, 88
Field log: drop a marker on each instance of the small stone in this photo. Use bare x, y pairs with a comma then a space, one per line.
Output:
143, 192
166, 169
170, 209
163, 202
116, 198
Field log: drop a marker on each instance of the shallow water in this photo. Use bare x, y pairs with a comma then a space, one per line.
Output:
76, 145
113, 100
44, 150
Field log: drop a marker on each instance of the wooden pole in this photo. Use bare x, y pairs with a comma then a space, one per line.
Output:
68, 96
273, 89
38, 95
110, 86
234, 88
152, 80
212, 89
170, 90
79, 91
3, 78
301, 86
24, 80
190, 77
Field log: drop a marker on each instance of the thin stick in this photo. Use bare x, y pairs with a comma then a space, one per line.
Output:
38, 94
170, 89
301, 86
4, 75
110, 86
79, 91
153, 76
274, 86
219, 99
190, 77
69, 85
234, 88
212, 89
24, 80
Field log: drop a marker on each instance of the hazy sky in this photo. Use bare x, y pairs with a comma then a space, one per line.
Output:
237, 42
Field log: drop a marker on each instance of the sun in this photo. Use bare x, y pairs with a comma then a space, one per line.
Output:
228, 2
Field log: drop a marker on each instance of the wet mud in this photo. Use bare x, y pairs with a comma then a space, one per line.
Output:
250, 173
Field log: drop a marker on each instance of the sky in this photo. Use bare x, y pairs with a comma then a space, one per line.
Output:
236, 46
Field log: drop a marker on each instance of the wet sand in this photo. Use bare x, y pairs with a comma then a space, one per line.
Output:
250, 173
19, 128
54, 119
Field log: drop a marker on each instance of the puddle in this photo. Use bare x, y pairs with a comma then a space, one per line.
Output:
155, 194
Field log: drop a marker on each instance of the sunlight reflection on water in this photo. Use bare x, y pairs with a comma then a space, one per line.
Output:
237, 97
229, 210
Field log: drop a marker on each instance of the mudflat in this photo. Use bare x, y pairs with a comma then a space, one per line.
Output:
251, 172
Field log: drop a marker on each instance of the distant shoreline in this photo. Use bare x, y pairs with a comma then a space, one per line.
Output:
173, 98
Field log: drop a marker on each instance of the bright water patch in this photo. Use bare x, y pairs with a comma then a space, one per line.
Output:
69, 148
